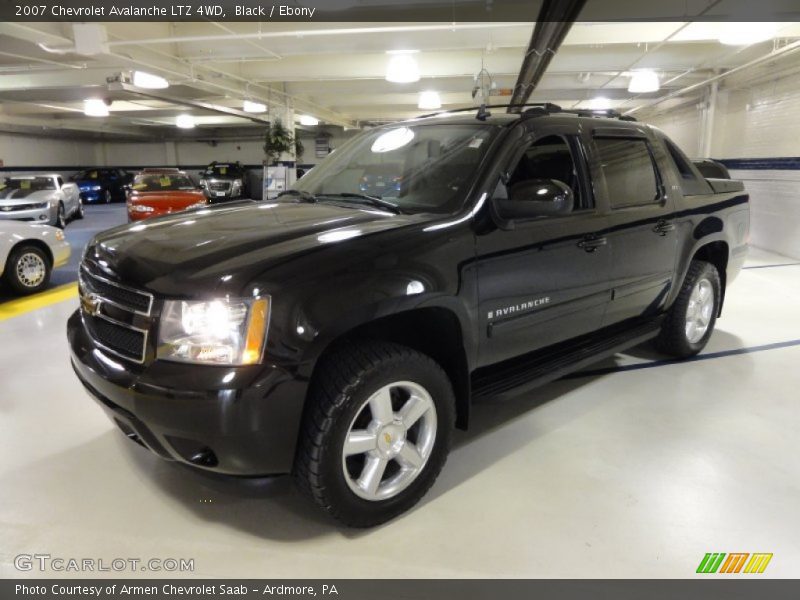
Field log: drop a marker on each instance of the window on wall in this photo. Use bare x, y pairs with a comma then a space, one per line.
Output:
630, 173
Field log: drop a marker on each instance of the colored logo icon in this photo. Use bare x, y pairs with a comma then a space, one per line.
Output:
735, 562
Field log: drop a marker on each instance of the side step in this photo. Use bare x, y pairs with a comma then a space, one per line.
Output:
519, 375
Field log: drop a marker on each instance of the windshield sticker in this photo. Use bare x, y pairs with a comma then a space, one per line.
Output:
223, 170
165, 182
93, 175
476, 143
139, 186
25, 184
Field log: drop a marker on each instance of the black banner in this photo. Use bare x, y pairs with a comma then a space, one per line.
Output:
409, 589
459, 11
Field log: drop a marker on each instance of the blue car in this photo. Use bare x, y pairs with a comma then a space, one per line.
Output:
102, 186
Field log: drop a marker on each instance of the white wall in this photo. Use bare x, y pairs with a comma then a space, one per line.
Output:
27, 151
759, 121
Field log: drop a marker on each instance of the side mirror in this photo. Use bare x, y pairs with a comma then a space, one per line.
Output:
536, 198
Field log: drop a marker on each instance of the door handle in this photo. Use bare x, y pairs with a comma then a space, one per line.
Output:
663, 228
590, 244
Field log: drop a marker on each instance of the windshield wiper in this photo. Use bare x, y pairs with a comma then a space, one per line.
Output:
306, 196
367, 199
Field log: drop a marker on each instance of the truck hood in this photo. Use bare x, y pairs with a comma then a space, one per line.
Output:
14, 196
223, 248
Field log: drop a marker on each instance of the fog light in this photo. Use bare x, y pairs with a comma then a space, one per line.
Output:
43, 217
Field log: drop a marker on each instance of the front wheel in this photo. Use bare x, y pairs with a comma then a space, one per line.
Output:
79, 214
376, 432
690, 322
28, 269
61, 217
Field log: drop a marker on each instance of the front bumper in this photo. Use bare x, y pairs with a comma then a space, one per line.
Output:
61, 253
92, 196
232, 420
46, 216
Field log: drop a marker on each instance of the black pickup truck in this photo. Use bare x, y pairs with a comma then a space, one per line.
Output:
341, 332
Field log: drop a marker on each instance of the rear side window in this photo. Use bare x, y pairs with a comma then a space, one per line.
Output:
630, 173
690, 181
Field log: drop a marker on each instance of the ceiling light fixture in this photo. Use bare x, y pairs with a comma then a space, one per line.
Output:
744, 34
643, 82
308, 121
429, 101
95, 107
402, 68
149, 81
599, 103
184, 121
254, 107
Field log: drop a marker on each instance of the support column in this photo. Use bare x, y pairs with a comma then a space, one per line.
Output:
708, 121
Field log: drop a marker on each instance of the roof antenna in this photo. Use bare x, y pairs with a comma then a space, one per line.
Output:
483, 89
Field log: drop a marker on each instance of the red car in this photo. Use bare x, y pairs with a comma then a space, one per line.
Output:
157, 192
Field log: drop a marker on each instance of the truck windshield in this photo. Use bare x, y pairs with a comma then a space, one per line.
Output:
418, 168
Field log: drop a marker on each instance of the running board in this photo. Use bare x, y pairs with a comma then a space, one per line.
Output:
519, 375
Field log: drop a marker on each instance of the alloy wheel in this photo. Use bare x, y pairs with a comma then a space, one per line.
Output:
389, 441
31, 270
700, 311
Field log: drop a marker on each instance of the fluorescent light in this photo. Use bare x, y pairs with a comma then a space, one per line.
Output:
95, 107
600, 103
254, 107
184, 121
429, 100
308, 121
149, 81
744, 34
402, 68
643, 81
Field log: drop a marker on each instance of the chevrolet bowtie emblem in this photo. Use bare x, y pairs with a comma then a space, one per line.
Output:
91, 304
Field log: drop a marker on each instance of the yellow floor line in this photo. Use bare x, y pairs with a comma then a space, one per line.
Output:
20, 306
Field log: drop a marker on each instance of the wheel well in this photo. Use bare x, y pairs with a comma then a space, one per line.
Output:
38, 244
717, 254
435, 332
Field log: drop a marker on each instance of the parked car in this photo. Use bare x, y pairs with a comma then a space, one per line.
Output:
40, 198
340, 335
224, 181
711, 168
157, 192
29, 253
102, 185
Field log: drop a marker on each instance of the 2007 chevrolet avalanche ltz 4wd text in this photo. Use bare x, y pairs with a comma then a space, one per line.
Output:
340, 332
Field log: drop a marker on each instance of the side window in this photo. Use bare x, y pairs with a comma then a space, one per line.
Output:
60, 182
550, 158
691, 183
630, 173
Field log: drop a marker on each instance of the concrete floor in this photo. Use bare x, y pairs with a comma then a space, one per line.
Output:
634, 473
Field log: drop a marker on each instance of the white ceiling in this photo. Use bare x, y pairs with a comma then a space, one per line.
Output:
335, 71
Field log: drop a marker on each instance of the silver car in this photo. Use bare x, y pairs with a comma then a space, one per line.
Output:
45, 199
29, 253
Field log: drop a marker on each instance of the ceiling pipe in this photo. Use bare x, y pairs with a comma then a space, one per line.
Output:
552, 25
780, 52
299, 33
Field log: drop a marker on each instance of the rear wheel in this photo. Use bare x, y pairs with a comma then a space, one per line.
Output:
376, 432
690, 322
79, 214
28, 269
107, 197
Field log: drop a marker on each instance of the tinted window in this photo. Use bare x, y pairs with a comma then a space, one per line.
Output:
630, 173
549, 158
223, 170
692, 184
29, 185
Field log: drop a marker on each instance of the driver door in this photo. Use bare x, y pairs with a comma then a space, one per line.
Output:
546, 279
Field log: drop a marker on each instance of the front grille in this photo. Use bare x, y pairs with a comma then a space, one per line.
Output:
116, 316
15, 207
115, 293
219, 186
116, 337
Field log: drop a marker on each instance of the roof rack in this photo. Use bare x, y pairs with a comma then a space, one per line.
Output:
535, 109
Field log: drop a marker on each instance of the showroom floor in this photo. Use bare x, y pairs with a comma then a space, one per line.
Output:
633, 473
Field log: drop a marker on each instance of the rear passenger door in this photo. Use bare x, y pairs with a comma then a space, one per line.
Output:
641, 229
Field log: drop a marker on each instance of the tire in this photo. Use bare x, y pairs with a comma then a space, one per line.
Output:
61, 217
79, 214
107, 197
349, 382
690, 322
28, 269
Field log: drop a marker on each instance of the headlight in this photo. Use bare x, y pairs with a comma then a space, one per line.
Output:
203, 183
141, 208
40, 205
220, 332
96, 188
237, 183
